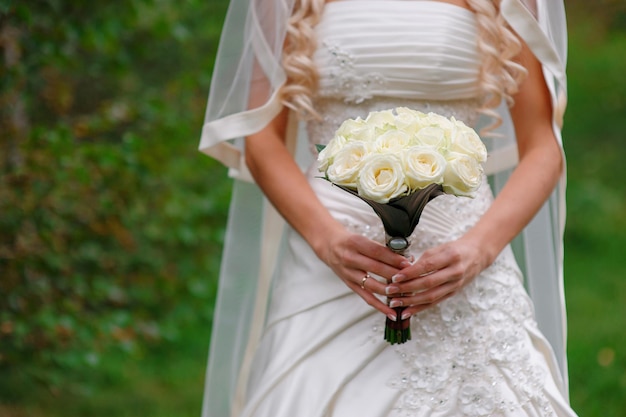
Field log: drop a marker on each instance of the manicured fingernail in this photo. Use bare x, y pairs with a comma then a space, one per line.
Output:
405, 264
392, 290
406, 316
395, 303
397, 277
392, 317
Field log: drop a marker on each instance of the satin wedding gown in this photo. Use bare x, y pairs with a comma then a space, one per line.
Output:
478, 353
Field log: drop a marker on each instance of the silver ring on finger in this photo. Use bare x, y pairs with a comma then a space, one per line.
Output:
363, 281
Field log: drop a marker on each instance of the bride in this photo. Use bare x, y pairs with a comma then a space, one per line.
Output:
300, 311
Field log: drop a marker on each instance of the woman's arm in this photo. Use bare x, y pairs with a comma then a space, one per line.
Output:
443, 270
349, 255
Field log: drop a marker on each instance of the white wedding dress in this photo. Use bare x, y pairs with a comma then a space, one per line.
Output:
322, 353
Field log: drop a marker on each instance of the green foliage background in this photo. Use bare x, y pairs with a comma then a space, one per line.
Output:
111, 222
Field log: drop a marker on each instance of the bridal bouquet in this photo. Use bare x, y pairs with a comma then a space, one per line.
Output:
397, 161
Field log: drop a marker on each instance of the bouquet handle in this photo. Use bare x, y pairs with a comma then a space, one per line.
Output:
399, 331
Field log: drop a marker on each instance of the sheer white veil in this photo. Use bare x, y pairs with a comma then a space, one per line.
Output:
247, 76
244, 98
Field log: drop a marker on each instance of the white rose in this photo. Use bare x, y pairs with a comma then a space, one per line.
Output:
409, 113
349, 126
434, 119
326, 155
379, 119
432, 136
463, 174
423, 166
465, 140
356, 130
392, 141
364, 134
409, 120
381, 178
347, 164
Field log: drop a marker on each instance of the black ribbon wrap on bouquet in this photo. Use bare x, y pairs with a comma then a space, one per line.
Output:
400, 216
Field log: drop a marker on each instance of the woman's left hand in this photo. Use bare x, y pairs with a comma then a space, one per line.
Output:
438, 274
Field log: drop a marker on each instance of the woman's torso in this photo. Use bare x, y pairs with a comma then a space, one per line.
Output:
380, 54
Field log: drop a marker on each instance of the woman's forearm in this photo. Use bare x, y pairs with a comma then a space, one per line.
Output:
283, 183
521, 198
541, 164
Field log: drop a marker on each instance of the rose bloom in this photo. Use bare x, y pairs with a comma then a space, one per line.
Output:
405, 113
347, 164
349, 126
409, 121
365, 134
357, 130
379, 119
463, 174
434, 119
423, 166
466, 141
381, 178
392, 141
432, 136
326, 156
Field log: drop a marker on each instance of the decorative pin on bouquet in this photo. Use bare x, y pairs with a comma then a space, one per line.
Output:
397, 161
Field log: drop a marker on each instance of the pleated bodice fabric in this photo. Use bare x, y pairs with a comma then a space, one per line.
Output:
400, 49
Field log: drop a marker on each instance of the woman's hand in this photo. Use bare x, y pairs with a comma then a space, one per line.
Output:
438, 274
354, 257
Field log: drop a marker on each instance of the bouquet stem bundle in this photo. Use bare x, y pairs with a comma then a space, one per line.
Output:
400, 217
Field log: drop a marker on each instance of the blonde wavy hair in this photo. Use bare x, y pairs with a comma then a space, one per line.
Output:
300, 45
498, 45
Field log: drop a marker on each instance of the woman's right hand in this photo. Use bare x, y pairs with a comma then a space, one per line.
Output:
353, 257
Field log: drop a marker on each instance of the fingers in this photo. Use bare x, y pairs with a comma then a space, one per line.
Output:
422, 286
350, 255
429, 288
376, 258
428, 297
408, 312
356, 253
431, 261
370, 298
372, 285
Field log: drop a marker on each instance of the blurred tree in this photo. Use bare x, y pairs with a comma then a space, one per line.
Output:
611, 14
105, 224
